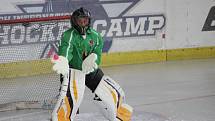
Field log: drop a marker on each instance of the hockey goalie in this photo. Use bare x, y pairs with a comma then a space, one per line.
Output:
77, 62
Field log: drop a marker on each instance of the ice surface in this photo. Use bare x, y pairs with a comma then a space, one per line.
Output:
44, 115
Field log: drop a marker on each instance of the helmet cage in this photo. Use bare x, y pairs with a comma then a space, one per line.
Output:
77, 14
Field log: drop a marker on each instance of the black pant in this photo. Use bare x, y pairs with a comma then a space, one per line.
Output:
91, 80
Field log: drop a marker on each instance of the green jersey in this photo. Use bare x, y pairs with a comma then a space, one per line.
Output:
76, 48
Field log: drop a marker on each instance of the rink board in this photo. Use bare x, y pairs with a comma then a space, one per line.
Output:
43, 66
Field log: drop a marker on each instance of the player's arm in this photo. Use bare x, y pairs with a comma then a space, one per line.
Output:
61, 62
98, 49
65, 46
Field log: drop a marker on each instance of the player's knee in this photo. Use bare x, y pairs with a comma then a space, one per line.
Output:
104, 101
116, 90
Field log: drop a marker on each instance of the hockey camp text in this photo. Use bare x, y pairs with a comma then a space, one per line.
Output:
49, 32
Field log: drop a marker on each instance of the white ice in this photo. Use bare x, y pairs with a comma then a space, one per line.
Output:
174, 90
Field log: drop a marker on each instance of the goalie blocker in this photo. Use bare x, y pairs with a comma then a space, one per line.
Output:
109, 96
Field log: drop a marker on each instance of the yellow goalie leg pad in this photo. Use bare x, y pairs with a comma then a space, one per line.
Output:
124, 112
62, 115
71, 95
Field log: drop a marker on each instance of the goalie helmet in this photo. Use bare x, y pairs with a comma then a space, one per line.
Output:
80, 20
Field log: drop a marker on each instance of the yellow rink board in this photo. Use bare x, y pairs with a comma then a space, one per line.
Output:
36, 67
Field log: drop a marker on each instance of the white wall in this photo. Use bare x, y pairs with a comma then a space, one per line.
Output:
185, 19
138, 43
183, 27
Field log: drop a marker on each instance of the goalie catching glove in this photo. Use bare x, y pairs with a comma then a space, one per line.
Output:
89, 64
61, 65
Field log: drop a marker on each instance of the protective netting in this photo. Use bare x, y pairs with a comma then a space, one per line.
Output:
29, 40
26, 79
39, 91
